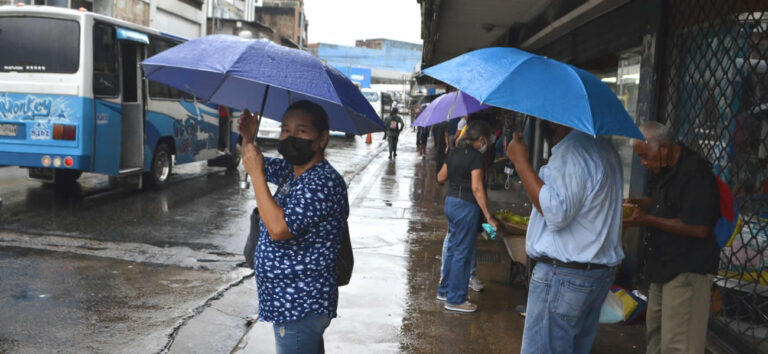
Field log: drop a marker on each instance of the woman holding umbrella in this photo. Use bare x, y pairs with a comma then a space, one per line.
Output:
301, 228
464, 204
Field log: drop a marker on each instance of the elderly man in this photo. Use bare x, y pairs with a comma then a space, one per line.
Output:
682, 254
574, 236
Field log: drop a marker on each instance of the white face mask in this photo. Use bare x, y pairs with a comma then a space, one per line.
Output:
483, 148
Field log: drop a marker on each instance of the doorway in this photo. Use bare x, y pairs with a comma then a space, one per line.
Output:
132, 152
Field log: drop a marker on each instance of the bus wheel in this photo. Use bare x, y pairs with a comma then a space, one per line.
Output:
234, 160
158, 176
66, 177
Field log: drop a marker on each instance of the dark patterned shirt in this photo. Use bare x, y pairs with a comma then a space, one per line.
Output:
298, 276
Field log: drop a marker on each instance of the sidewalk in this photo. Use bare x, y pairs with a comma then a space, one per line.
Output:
397, 227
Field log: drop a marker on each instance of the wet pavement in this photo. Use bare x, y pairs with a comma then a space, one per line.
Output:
397, 227
104, 270
101, 269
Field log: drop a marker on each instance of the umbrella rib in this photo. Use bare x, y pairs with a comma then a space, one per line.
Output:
221, 83
453, 105
572, 70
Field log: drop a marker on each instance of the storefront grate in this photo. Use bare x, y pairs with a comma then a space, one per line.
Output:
714, 93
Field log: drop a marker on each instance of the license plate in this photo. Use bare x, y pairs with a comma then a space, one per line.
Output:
9, 129
45, 174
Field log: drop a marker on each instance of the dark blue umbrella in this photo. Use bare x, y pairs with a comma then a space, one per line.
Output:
263, 77
520, 81
446, 107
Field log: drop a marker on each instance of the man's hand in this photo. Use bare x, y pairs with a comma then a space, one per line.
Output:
638, 218
516, 150
253, 159
248, 125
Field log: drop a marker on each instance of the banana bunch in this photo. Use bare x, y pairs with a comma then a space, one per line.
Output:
506, 215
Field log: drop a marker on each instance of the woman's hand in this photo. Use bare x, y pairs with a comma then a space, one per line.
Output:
253, 159
493, 222
247, 126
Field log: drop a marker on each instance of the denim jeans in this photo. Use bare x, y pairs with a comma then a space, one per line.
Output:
462, 218
473, 267
301, 336
564, 308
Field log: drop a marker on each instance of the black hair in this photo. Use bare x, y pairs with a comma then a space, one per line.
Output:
475, 130
314, 110
395, 110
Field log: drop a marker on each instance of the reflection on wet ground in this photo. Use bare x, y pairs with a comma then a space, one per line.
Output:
62, 302
170, 252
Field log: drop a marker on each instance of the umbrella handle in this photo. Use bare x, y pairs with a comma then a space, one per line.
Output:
244, 183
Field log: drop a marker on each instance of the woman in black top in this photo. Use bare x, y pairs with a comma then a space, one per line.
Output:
465, 204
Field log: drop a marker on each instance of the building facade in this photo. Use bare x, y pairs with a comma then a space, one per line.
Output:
185, 18
699, 66
287, 18
389, 61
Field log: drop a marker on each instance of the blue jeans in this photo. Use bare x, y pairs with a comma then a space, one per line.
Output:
564, 308
463, 218
304, 335
473, 267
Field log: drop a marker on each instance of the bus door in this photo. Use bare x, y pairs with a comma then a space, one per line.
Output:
132, 52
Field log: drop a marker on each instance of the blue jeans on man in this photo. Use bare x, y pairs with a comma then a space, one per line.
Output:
463, 218
304, 335
564, 308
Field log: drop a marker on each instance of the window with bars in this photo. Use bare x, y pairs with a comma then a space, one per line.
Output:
714, 93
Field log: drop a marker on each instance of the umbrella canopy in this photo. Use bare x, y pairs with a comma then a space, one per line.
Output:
448, 106
520, 81
262, 77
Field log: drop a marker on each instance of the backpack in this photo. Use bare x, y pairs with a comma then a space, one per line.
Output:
345, 262
729, 224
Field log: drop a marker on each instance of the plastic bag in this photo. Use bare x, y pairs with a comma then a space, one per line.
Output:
612, 310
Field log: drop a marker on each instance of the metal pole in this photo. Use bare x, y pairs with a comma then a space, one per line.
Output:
538, 146
244, 183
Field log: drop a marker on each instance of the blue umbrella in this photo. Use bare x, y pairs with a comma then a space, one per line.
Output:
446, 107
263, 77
520, 81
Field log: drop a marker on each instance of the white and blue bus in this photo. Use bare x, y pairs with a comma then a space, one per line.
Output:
73, 100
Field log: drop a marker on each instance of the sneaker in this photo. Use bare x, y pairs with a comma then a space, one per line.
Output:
441, 297
475, 284
466, 307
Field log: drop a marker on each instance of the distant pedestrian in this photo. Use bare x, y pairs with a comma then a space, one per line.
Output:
301, 228
682, 253
574, 236
465, 204
422, 135
394, 125
442, 139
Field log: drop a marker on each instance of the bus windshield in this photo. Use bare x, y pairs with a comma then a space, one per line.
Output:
26, 45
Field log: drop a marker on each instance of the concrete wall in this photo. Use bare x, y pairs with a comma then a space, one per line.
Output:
177, 17
135, 11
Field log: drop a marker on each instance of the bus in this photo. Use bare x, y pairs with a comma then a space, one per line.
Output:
73, 99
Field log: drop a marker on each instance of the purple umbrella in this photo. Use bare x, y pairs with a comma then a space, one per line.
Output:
448, 106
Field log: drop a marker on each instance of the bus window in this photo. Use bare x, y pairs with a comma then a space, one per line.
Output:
105, 75
27, 45
156, 89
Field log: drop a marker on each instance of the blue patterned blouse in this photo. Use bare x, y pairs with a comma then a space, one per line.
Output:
298, 276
